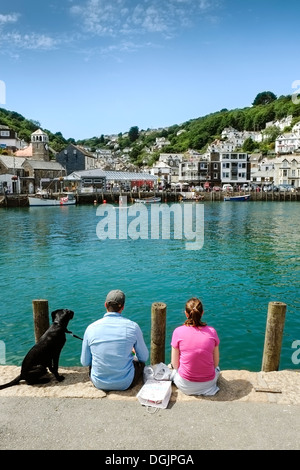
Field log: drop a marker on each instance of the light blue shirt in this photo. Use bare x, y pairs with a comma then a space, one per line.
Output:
107, 347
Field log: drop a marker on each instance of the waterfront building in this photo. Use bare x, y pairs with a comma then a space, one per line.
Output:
263, 172
173, 160
235, 168
280, 170
163, 172
287, 170
90, 181
203, 170
41, 174
76, 158
11, 169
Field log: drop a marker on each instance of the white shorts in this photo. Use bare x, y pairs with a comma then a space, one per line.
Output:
197, 388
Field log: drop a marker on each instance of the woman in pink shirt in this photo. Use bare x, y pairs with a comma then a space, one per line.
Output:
195, 353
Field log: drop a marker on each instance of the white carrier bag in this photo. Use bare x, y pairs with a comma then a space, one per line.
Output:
155, 393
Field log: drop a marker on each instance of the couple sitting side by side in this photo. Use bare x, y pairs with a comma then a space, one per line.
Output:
114, 349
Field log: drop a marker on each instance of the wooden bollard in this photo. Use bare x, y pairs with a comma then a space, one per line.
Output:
158, 332
40, 317
273, 336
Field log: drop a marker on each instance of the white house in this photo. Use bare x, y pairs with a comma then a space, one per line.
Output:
289, 142
173, 160
287, 170
280, 170
221, 146
235, 168
161, 142
9, 139
263, 172
281, 123
162, 171
238, 138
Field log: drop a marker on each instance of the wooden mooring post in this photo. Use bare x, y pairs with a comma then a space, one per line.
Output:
158, 332
273, 336
40, 317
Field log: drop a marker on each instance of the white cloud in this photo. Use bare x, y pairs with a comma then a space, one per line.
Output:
29, 41
10, 18
145, 16
15, 39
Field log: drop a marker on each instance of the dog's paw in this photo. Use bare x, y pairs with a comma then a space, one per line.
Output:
60, 378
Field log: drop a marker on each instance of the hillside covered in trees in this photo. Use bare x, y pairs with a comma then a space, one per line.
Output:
195, 134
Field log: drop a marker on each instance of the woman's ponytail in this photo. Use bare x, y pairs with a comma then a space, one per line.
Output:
194, 311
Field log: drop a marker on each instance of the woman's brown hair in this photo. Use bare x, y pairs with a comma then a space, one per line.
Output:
194, 310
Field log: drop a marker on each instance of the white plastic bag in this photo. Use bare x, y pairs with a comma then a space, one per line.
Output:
155, 393
158, 372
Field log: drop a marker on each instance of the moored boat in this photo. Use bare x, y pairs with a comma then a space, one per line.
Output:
149, 200
244, 197
44, 199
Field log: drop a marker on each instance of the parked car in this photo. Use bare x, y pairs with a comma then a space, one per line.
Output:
268, 187
227, 187
286, 187
245, 187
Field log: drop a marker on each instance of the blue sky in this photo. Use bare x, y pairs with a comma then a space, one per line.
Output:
92, 67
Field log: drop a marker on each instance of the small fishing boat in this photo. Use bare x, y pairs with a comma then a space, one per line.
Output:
244, 197
45, 199
149, 200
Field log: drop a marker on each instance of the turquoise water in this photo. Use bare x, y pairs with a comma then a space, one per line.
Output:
250, 257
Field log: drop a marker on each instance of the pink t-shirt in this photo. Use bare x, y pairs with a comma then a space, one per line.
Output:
196, 346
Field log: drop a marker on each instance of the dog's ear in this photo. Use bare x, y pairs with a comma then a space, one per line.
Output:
71, 314
53, 314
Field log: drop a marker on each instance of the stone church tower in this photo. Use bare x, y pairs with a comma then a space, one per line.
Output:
40, 145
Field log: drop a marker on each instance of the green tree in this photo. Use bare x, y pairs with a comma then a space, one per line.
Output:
133, 133
263, 98
271, 133
249, 145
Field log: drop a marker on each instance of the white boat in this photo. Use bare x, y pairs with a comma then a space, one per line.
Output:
244, 197
149, 200
44, 199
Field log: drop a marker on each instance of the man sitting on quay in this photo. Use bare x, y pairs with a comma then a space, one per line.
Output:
108, 346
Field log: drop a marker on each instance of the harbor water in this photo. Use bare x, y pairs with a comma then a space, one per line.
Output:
249, 258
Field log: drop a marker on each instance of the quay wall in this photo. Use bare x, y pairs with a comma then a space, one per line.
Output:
21, 200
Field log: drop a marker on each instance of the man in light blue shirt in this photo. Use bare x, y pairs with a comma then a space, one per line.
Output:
108, 344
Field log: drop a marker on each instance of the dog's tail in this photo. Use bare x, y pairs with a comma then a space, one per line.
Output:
10, 384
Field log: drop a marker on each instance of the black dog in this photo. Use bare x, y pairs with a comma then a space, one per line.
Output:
45, 353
